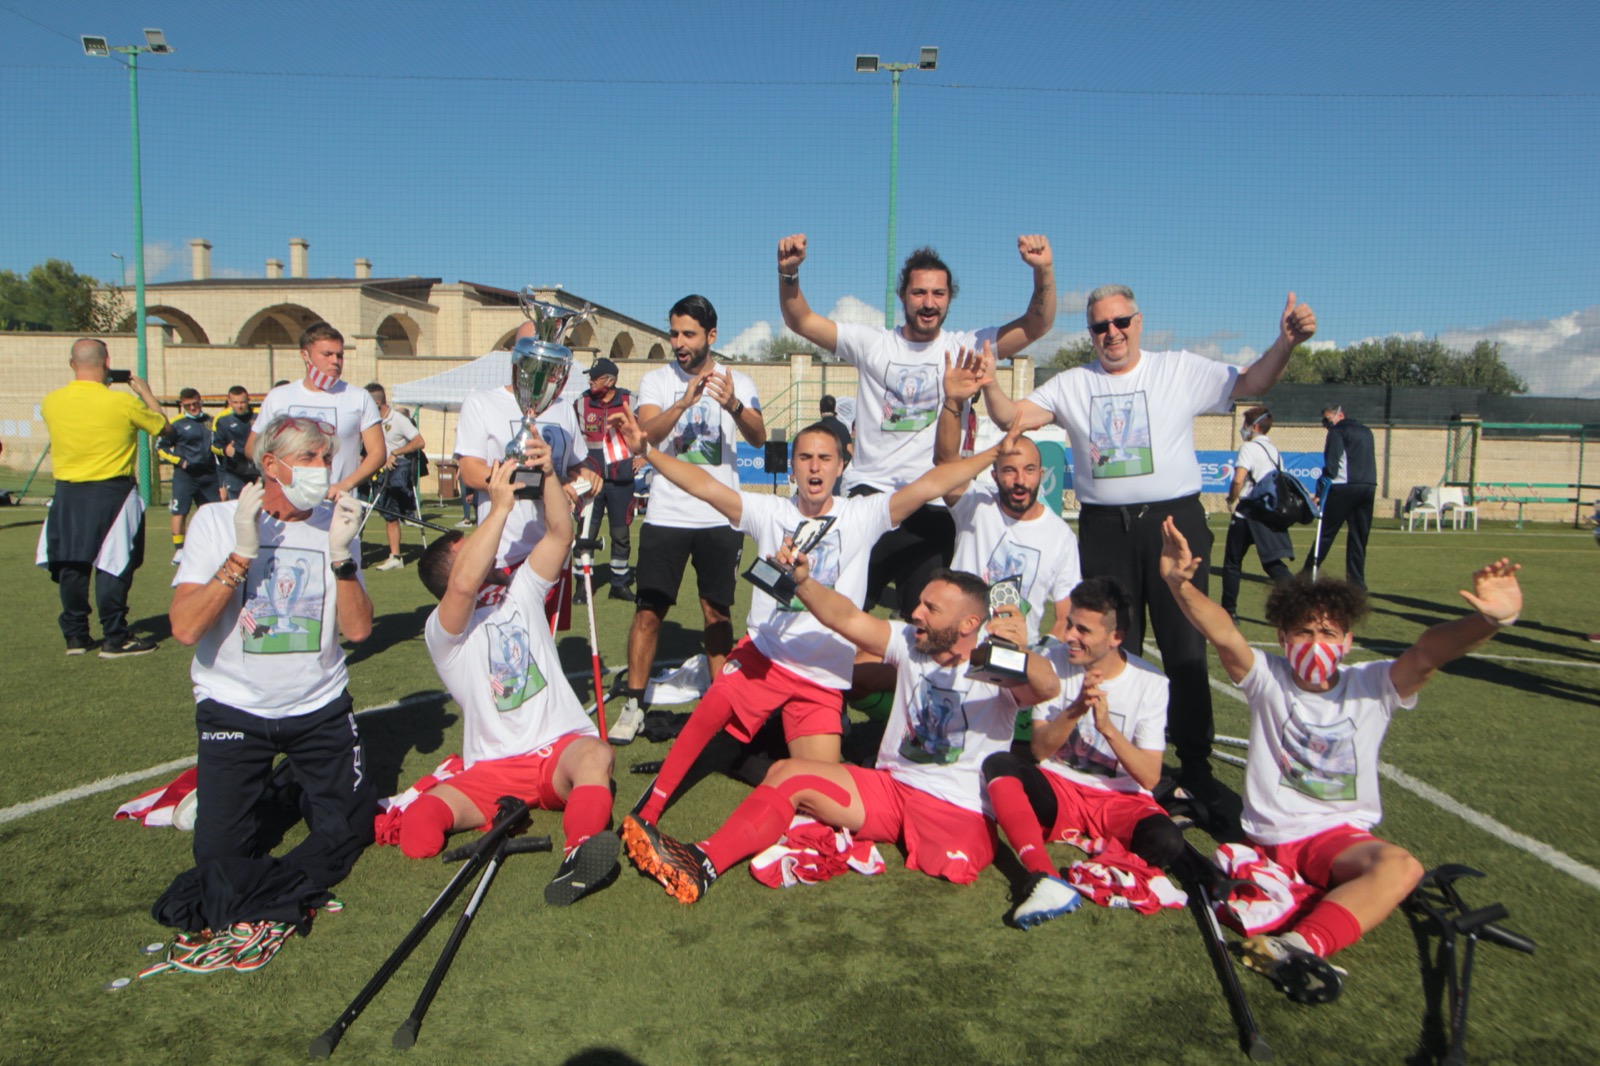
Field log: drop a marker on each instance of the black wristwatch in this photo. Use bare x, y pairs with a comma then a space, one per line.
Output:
345, 571
737, 409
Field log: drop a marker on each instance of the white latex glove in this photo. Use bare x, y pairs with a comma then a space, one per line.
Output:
246, 537
342, 528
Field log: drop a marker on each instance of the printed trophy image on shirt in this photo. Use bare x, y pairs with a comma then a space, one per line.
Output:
912, 399
1319, 760
513, 675
937, 726
1086, 752
697, 438
283, 612
1010, 560
1119, 436
811, 539
997, 660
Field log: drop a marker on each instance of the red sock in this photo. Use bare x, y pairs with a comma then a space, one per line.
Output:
423, 825
588, 811
756, 824
706, 722
1020, 824
1329, 928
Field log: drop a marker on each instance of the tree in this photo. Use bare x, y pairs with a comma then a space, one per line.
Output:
1077, 353
785, 345
1406, 362
55, 297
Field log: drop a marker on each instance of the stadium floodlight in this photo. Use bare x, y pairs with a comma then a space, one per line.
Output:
927, 59
155, 42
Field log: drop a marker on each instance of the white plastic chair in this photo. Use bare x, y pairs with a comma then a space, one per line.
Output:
1424, 501
1454, 500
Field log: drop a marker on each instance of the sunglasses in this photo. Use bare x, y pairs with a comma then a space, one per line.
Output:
1100, 329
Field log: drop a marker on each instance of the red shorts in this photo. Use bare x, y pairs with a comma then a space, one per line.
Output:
940, 838
753, 688
1097, 812
1312, 857
530, 777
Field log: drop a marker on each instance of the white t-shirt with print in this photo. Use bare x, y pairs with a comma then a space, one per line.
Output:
1313, 762
788, 634
1132, 434
398, 431
943, 725
897, 409
490, 419
1136, 700
347, 409
706, 436
1257, 458
504, 674
274, 651
1043, 551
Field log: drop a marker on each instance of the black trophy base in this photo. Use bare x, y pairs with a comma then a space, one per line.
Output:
772, 578
529, 483
999, 663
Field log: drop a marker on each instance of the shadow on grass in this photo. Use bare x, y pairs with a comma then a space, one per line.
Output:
22, 524
396, 627
602, 1056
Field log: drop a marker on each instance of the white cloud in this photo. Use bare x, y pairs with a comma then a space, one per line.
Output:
749, 342
1556, 356
157, 258
855, 310
230, 272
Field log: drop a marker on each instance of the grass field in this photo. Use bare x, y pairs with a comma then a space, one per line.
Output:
899, 968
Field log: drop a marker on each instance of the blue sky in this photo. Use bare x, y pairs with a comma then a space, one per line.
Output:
1406, 168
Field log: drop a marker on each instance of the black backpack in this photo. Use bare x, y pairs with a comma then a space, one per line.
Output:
1279, 501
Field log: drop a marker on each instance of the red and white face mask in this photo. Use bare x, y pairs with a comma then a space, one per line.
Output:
1314, 661
320, 380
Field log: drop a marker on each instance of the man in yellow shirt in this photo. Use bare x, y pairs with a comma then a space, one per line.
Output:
96, 522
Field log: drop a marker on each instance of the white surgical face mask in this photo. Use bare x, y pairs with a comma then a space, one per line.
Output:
1247, 433
308, 487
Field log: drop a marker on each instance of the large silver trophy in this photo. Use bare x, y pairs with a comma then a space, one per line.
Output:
539, 369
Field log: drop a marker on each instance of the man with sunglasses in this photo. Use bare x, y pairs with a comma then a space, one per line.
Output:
1130, 419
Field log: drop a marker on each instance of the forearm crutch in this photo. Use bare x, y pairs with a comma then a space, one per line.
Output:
1204, 877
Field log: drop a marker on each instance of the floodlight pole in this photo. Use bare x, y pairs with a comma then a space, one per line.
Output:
157, 44
928, 61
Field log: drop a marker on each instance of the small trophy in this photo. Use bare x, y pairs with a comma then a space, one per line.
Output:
998, 661
539, 368
776, 579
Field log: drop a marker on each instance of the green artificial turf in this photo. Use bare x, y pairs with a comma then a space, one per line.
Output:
897, 968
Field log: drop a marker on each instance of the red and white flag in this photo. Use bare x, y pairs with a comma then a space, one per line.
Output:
154, 808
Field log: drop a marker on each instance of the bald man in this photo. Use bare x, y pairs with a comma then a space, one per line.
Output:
96, 524
1006, 531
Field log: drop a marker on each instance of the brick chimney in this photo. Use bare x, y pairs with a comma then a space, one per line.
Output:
299, 248
200, 259
274, 268
363, 268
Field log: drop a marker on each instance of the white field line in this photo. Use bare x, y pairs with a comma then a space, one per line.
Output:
116, 781
1473, 655
1538, 849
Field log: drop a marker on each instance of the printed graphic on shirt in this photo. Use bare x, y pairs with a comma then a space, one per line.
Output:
283, 602
1318, 760
1119, 436
513, 675
697, 438
910, 398
1084, 754
554, 435
328, 416
824, 557
1012, 560
937, 728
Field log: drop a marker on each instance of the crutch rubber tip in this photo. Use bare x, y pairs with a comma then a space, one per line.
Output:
322, 1047
1259, 1051
406, 1035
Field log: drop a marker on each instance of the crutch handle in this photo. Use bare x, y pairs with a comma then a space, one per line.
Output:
525, 844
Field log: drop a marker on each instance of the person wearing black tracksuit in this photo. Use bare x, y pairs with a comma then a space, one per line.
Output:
1346, 490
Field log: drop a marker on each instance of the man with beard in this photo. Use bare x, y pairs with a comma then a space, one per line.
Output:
1005, 531
926, 792
900, 394
321, 395
1130, 419
230, 435
691, 411
1096, 755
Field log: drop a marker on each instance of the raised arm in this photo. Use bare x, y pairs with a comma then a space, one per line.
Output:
475, 557
964, 378
692, 479
352, 606
1296, 325
1178, 567
1495, 595
944, 479
549, 555
196, 607
797, 313
867, 632
1035, 322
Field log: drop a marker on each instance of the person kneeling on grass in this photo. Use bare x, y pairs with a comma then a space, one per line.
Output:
1098, 746
524, 732
1311, 783
927, 791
